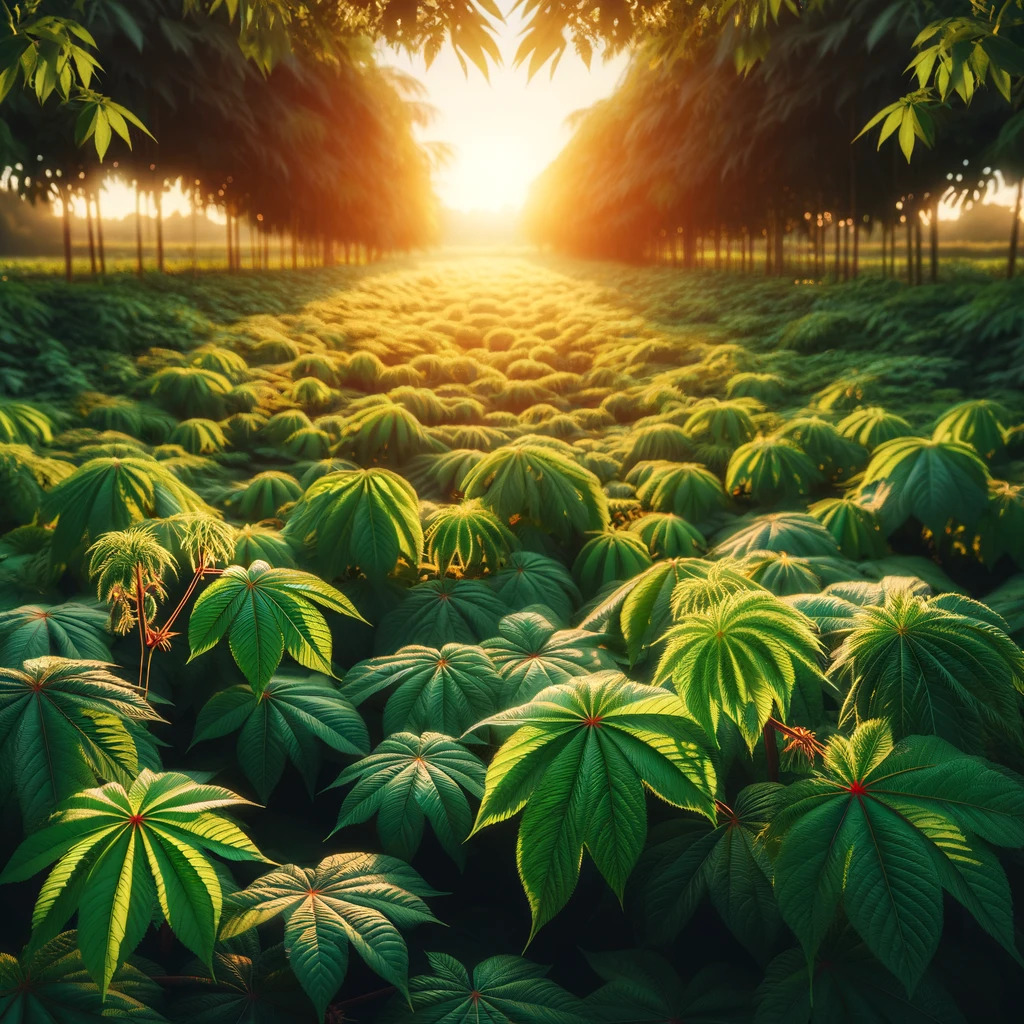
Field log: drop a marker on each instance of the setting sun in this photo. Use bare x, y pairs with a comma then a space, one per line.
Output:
503, 133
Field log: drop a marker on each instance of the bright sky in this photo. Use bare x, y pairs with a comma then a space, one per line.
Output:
506, 132
503, 133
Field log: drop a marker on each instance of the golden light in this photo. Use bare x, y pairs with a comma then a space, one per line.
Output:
504, 132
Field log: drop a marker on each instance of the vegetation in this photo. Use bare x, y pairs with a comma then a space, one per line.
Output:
691, 162
728, 623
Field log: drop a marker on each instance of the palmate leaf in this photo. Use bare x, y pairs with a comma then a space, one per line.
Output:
770, 470
642, 987
742, 655
438, 611
357, 899
110, 494
687, 489
410, 778
669, 536
541, 484
384, 433
784, 575
249, 986
467, 537
263, 543
855, 527
979, 423
366, 517
943, 667
577, 763
884, 829
70, 630
794, 533
686, 861
21, 423
609, 556
532, 653
642, 606
265, 612
871, 426
501, 990
261, 497
52, 986
67, 723
529, 578
281, 723
120, 851
849, 987
933, 481
449, 689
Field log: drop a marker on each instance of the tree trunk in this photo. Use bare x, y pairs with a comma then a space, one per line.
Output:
933, 238
99, 233
194, 204
138, 231
1011, 264
91, 233
918, 249
837, 263
65, 216
846, 249
158, 206
910, 251
780, 248
227, 219
718, 246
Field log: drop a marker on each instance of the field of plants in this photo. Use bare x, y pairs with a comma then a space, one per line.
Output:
511, 640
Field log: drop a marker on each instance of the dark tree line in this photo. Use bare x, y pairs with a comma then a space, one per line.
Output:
692, 161
318, 154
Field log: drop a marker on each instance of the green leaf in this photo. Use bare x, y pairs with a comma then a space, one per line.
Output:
743, 656
117, 851
576, 763
541, 484
500, 990
283, 722
934, 481
366, 518
686, 861
74, 630
265, 612
110, 494
357, 899
928, 669
51, 985
66, 724
531, 653
409, 778
448, 689
872, 831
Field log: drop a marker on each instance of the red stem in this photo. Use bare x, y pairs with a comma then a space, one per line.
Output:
140, 615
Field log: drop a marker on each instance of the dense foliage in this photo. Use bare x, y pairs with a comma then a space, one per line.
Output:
690, 160
728, 623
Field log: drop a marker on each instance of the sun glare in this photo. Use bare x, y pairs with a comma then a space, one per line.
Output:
504, 132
